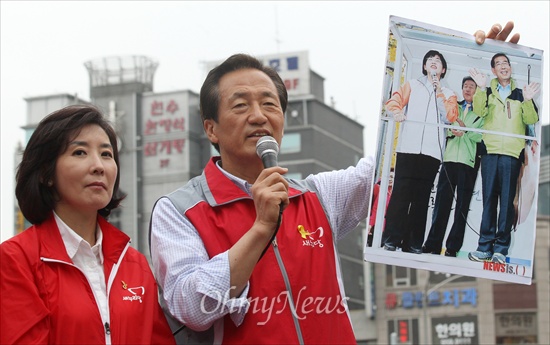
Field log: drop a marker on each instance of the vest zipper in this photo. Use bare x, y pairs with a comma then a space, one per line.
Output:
287, 285
107, 334
114, 271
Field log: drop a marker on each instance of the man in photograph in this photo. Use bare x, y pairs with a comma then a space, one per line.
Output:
509, 110
458, 174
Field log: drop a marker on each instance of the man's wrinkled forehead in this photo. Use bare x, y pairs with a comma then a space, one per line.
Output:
470, 83
501, 61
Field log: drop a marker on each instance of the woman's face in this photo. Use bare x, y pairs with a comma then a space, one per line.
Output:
85, 173
434, 65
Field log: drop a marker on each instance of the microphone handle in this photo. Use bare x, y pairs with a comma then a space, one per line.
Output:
269, 160
433, 81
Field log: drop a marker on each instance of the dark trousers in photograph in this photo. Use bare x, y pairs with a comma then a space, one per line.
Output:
408, 207
453, 177
499, 177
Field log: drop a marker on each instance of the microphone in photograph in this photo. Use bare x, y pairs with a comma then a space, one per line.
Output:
434, 74
267, 149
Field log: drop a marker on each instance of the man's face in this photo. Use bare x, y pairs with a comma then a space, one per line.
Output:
434, 64
502, 69
468, 90
249, 108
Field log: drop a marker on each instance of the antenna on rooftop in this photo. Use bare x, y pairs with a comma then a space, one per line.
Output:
277, 40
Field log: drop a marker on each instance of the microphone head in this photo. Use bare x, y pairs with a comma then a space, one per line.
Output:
267, 145
433, 73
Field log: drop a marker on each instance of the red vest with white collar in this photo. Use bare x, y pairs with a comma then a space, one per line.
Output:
308, 252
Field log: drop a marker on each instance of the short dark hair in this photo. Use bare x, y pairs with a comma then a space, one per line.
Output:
210, 92
35, 195
498, 55
433, 53
466, 78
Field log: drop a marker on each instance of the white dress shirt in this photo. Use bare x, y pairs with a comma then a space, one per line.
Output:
89, 260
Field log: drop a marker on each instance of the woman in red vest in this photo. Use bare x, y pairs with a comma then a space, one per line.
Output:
72, 277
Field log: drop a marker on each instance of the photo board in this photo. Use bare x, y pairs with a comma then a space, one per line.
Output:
411, 157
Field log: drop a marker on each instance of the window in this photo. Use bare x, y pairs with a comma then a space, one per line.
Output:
397, 276
438, 277
516, 328
292, 143
28, 134
213, 151
294, 176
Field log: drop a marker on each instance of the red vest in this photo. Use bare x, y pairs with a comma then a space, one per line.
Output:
47, 300
307, 248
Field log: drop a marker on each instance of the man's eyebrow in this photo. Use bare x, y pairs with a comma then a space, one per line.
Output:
269, 94
236, 95
244, 94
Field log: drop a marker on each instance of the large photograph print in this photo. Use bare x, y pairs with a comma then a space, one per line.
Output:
457, 161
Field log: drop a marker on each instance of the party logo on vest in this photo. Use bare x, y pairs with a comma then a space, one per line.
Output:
136, 293
311, 239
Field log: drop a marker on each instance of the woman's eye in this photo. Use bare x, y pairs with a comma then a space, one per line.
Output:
79, 152
107, 154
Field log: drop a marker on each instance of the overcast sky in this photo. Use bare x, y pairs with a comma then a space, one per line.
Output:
44, 45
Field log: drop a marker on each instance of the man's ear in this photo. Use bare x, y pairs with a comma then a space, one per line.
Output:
209, 125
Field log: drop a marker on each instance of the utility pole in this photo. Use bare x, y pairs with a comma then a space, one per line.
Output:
427, 292
277, 40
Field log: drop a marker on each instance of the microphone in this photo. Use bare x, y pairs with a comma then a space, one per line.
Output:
434, 74
267, 149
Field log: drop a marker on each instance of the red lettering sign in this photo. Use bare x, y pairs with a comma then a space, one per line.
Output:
150, 127
179, 123
391, 300
150, 149
291, 84
157, 108
178, 145
165, 146
172, 107
169, 125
